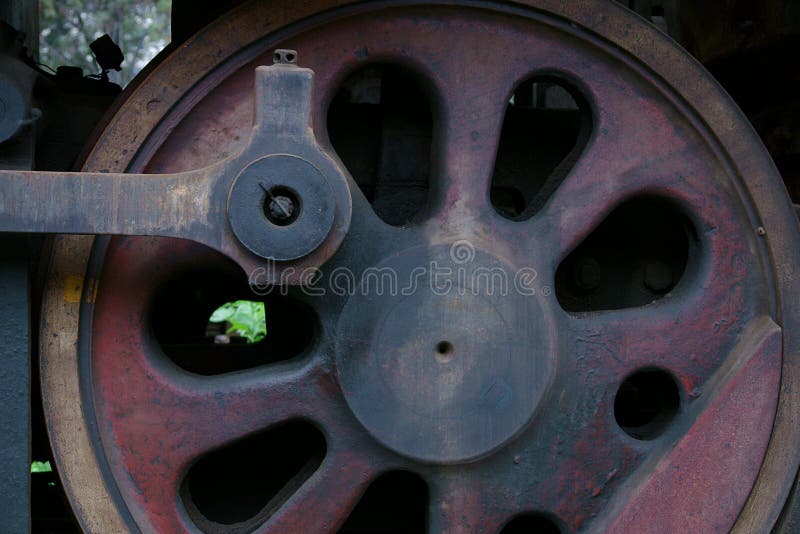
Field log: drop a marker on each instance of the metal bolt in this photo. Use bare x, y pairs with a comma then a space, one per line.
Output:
588, 274
281, 205
658, 276
281, 208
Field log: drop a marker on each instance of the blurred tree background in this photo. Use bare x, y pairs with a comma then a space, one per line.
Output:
140, 27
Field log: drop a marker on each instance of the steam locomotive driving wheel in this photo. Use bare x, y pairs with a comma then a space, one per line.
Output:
596, 336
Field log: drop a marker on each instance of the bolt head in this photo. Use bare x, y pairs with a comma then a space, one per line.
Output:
658, 277
588, 274
281, 208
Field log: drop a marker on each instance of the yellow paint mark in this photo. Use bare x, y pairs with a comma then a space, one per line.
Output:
73, 287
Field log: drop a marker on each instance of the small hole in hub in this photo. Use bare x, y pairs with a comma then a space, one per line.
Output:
444, 350
281, 205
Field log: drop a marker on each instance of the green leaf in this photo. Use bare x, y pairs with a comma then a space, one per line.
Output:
222, 313
245, 318
41, 467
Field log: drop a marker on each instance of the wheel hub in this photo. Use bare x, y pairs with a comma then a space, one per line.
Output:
283, 205
440, 359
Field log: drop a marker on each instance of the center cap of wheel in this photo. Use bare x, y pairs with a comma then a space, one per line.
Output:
443, 358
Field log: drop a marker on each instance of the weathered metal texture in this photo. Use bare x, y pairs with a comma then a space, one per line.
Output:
716, 333
70, 435
743, 406
15, 386
214, 205
168, 419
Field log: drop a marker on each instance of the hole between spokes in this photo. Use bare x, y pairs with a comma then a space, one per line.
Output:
530, 523
380, 122
395, 502
259, 332
639, 254
238, 487
646, 403
545, 129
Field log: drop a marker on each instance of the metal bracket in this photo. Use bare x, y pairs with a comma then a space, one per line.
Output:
224, 206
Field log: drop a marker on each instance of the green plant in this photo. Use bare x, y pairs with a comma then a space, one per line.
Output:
246, 319
40, 467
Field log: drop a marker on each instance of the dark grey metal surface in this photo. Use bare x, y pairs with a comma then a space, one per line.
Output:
306, 205
15, 425
221, 206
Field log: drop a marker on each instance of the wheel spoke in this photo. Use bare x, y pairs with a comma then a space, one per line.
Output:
694, 323
166, 417
600, 182
324, 501
368, 240
471, 121
716, 461
464, 502
167, 420
202, 414
594, 470
172, 418
639, 146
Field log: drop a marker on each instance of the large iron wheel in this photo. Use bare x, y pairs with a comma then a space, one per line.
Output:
505, 405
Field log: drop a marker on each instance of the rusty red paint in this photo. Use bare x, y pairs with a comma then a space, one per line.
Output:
157, 419
571, 460
708, 475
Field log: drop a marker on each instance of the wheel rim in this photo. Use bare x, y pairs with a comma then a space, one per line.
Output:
729, 379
